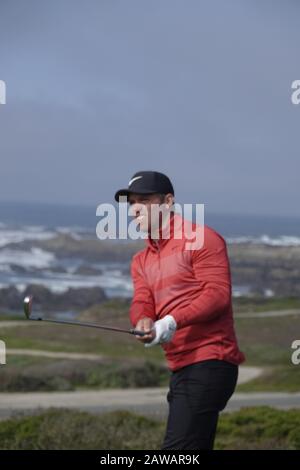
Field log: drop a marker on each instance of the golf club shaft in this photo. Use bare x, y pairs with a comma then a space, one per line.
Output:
91, 325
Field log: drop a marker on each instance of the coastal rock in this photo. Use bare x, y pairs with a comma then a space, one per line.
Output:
85, 270
46, 300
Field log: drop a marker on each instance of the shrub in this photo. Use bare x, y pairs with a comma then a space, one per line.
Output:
249, 428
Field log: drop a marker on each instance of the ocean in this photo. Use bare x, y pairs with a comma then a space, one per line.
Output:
25, 225
84, 217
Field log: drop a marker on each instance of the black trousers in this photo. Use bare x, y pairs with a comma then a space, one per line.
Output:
197, 393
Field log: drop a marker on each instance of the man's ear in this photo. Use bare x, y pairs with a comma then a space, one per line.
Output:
169, 200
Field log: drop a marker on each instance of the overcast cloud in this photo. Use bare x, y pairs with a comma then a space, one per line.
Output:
99, 89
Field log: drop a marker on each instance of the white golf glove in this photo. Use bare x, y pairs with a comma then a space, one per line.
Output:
164, 330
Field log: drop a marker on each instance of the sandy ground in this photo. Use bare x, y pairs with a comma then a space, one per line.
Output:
52, 354
246, 373
147, 401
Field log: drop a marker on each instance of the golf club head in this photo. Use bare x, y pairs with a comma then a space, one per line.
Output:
28, 306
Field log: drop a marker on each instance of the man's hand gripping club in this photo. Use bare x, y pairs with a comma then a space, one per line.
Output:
158, 332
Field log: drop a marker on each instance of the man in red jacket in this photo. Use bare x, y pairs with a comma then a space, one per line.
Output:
182, 300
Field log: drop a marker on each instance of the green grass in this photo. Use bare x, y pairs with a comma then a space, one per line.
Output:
81, 340
267, 341
259, 428
49, 337
261, 304
10, 317
26, 374
24, 361
63, 429
249, 428
275, 379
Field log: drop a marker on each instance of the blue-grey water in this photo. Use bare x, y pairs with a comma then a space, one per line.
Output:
52, 215
23, 221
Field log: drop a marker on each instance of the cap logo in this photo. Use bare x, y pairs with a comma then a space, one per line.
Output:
134, 179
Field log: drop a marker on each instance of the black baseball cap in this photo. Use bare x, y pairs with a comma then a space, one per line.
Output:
146, 182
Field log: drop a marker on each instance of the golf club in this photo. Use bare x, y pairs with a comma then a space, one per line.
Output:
28, 310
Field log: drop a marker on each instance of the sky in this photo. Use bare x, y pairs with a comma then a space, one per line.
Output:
197, 89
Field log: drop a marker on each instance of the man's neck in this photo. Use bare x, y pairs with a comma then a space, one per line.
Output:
157, 233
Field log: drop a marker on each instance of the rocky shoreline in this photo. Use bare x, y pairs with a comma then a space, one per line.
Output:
72, 299
268, 271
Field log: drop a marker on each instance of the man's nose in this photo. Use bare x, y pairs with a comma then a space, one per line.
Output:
137, 209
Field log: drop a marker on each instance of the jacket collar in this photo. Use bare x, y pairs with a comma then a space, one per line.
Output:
166, 231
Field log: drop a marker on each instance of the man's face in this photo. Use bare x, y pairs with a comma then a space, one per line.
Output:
140, 208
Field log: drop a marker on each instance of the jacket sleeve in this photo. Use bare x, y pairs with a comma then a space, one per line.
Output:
212, 271
142, 304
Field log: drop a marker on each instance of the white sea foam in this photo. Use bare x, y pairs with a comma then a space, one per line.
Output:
5, 268
111, 280
8, 236
61, 283
76, 232
283, 240
35, 258
69, 231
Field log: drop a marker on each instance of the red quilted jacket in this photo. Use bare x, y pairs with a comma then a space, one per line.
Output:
192, 285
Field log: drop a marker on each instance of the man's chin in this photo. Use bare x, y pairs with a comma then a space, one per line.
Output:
141, 227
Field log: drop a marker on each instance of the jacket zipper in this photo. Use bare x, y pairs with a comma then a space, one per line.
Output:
157, 249
159, 255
